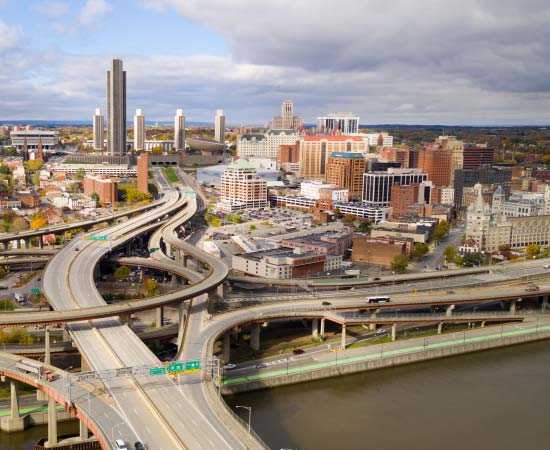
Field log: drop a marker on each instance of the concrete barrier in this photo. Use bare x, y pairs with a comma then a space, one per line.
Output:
380, 363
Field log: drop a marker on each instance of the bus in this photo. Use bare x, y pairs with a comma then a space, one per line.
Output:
383, 299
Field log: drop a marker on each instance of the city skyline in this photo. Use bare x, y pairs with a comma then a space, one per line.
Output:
492, 70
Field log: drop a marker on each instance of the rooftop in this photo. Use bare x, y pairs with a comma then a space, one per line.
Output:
333, 138
242, 164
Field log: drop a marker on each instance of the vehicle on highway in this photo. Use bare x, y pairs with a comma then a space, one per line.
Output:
120, 445
229, 366
326, 303
376, 279
546, 266
76, 249
380, 331
381, 299
298, 351
29, 366
3, 287
139, 446
261, 365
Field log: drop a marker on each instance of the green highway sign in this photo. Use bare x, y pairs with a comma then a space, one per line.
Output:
193, 365
175, 367
157, 371
190, 192
153, 250
35, 291
96, 238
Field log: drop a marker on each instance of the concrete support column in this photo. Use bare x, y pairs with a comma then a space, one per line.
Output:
449, 311
84, 365
483, 324
40, 243
255, 337
66, 335
182, 321
343, 344
226, 347
159, 319
439, 327
315, 327
52, 423
27, 243
47, 357
219, 290
513, 306
372, 326
184, 260
83, 431
322, 332
14, 401
393, 331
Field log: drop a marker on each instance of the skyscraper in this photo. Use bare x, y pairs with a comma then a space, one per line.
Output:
179, 130
219, 126
139, 130
116, 109
287, 113
99, 130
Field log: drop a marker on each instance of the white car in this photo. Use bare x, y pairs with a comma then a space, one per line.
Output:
229, 366
120, 445
546, 266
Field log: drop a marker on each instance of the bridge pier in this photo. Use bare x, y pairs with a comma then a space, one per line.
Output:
483, 324
219, 290
343, 344
255, 337
226, 347
14, 404
322, 332
40, 243
449, 310
315, 327
372, 326
159, 318
182, 320
83, 431
52, 423
440, 328
47, 353
393, 331
513, 305
14, 422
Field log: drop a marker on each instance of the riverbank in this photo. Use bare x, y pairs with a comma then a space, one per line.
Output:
388, 355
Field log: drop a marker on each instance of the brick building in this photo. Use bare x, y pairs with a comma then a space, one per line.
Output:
437, 164
379, 251
346, 170
104, 187
143, 173
402, 197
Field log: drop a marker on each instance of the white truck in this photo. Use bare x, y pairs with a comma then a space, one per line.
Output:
19, 297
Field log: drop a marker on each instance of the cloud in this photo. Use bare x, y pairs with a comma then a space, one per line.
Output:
93, 12
52, 9
10, 37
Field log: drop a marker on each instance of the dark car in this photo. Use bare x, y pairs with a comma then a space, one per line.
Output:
377, 279
298, 351
76, 249
326, 303
139, 446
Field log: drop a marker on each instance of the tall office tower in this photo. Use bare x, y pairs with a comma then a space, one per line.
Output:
456, 146
287, 113
116, 109
139, 130
342, 123
143, 173
99, 130
179, 130
219, 126
437, 164
346, 170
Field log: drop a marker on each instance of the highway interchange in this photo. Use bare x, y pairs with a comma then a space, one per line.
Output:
165, 414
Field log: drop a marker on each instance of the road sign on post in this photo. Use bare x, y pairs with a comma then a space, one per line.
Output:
35, 291
175, 368
193, 366
157, 371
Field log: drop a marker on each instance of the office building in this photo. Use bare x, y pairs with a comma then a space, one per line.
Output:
328, 243
377, 185
241, 188
219, 126
31, 139
315, 151
314, 189
179, 131
382, 139
379, 251
289, 153
139, 130
400, 155
143, 173
104, 187
116, 109
437, 164
346, 170
476, 156
98, 130
339, 123
265, 145
287, 120
403, 196
486, 175
456, 147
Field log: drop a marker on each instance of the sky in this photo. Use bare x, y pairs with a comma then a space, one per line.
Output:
453, 62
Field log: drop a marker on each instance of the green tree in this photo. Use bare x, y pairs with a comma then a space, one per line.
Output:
364, 226
36, 179
450, 252
122, 273
3, 272
252, 227
151, 287
420, 249
472, 259
399, 264
33, 165
95, 196
80, 173
532, 250
441, 231
4, 169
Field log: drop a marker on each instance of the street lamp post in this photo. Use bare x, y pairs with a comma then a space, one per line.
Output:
249, 408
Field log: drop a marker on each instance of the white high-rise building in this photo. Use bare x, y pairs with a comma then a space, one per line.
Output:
179, 131
219, 126
241, 188
116, 108
99, 130
139, 130
265, 145
342, 123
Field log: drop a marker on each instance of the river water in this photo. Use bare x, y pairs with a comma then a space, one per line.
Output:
493, 400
